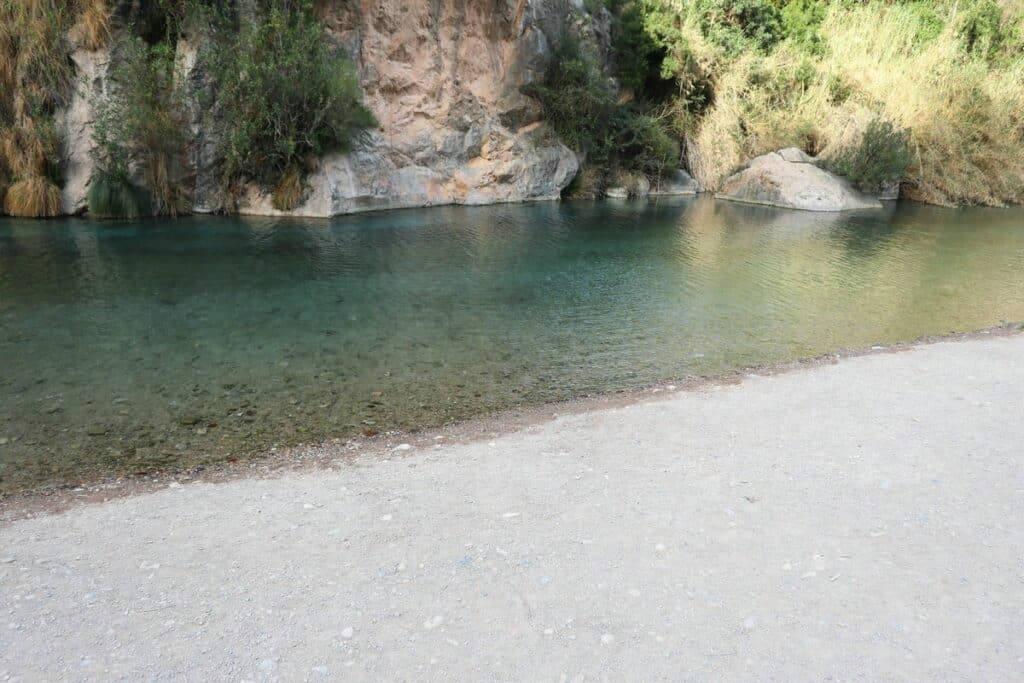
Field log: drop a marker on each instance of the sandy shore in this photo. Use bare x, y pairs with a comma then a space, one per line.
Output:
856, 521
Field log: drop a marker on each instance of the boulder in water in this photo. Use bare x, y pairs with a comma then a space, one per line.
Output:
790, 179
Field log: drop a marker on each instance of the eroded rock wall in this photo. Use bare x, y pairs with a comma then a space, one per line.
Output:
442, 77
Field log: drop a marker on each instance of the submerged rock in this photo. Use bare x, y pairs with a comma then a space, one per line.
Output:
790, 179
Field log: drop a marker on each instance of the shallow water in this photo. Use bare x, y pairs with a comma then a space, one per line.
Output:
135, 347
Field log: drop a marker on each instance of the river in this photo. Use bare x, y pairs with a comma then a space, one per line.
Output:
137, 347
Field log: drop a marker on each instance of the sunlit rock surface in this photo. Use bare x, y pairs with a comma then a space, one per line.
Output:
790, 179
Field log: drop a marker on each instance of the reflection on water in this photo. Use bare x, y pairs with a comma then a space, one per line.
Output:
135, 347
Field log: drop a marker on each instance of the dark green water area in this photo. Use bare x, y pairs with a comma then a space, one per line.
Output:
139, 347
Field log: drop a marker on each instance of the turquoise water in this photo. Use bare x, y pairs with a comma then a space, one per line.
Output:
136, 347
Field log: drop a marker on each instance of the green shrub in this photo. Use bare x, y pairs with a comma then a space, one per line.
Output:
980, 29
583, 108
645, 146
882, 157
800, 22
927, 20
738, 25
114, 196
578, 101
283, 93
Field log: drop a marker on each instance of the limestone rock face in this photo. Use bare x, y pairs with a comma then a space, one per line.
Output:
789, 179
443, 78
75, 124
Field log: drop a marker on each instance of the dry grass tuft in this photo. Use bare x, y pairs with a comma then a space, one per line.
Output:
35, 80
34, 197
289, 192
92, 30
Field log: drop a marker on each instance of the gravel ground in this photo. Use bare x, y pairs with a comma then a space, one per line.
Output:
857, 521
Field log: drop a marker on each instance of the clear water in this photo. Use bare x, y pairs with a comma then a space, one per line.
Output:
135, 347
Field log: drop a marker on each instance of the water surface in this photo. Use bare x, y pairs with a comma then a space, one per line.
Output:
135, 347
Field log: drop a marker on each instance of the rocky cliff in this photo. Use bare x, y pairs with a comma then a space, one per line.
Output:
442, 77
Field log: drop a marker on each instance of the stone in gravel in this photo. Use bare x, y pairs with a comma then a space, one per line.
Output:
433, 623
403, 447
347, 632
607, 639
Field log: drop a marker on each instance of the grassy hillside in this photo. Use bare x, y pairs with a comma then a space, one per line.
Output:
927, 93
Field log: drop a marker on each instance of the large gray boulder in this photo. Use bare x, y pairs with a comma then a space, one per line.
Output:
790, 179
